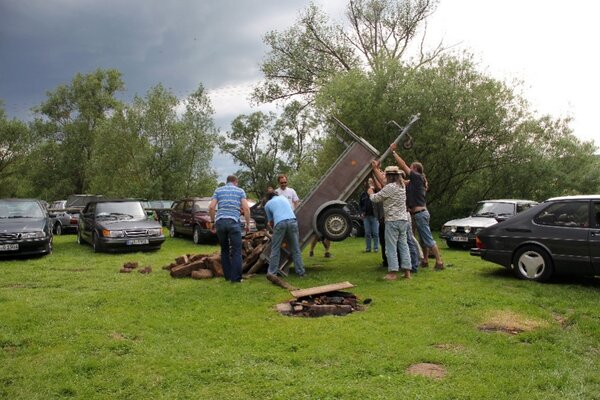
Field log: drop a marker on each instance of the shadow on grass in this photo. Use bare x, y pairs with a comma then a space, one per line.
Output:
584, 281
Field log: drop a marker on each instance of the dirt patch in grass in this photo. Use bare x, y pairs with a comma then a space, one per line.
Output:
511, 323
428, 370
457, 348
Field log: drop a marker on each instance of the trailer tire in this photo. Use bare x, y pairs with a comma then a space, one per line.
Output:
335, 224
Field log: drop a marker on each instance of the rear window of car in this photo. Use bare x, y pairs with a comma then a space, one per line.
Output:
201, 205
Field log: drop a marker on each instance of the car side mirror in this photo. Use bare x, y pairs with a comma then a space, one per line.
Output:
501, 218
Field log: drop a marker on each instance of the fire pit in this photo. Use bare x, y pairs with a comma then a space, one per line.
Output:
320, 301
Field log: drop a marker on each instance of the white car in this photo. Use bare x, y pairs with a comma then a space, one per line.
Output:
461, 233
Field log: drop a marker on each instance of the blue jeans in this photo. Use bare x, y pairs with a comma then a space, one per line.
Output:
396, 242
422, 223
371, 232
413, 249
288, 230
229, 233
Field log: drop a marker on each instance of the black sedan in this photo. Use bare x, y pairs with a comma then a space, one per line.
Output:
118, 225
559, 236
25, 228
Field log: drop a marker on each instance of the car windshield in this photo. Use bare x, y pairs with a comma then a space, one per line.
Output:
20, 209
493, 209
120, 209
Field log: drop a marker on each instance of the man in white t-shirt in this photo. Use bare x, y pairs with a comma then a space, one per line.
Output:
287, 192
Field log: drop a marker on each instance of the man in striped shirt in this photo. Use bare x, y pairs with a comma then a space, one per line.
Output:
227, 202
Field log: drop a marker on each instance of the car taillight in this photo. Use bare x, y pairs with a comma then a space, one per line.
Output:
73, 221
479, 244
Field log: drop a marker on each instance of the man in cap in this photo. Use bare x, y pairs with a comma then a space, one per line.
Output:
393, 197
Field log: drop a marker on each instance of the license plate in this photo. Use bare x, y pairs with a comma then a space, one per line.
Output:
460, 239
4, 247
137, 241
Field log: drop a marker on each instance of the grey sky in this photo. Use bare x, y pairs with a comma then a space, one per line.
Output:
44, 43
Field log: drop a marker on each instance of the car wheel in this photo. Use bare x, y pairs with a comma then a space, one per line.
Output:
196, 235
533, 263
172, 232
335, 224
58, 229
96, 243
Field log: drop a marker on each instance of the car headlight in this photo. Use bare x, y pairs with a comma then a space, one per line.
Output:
112, 234
445, 229
453, 229
467, 229
154, 232
33, 235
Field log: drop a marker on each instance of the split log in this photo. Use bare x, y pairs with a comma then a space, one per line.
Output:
279, 282
131, 265
252, 257
182, 259
202, 274
214, 264
186, 269
260, 263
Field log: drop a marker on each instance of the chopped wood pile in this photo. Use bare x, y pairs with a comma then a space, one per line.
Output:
205, 266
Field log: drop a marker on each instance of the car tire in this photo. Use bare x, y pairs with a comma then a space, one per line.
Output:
196, 235
96, 243
335, 224
533, 263
172, 231
58, 229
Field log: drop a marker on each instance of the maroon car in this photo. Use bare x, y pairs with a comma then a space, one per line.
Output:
189, 217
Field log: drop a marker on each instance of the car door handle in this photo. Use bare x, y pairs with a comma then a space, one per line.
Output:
518, 230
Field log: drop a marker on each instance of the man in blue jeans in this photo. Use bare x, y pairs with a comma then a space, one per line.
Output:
230, 199
282, 219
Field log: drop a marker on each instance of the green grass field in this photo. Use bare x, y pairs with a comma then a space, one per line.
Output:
72, 326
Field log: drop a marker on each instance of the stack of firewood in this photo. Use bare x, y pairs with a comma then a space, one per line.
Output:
204, 266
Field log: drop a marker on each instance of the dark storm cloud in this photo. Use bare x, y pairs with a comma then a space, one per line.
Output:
180, 44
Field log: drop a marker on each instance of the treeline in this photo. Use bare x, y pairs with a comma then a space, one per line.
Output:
84, 140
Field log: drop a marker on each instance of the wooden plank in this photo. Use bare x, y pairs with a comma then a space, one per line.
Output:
321, 289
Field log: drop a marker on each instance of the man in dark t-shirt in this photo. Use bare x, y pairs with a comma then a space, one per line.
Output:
417, 206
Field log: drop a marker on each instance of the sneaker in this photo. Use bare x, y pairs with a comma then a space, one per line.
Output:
327, 255
376, 250
439, 267
367, 250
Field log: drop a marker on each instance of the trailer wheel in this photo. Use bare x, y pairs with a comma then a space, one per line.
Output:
335, 224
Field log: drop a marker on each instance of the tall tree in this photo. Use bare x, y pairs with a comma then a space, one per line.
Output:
69, 117
16, 143
161, 153
310, 53
254, 142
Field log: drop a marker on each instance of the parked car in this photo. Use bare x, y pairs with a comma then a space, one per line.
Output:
25, 228
118, 225
258, 214
558, 236
189, 217
461, 233
63, 220
162, 209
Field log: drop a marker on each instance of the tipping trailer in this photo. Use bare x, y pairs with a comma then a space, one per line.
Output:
322, 212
